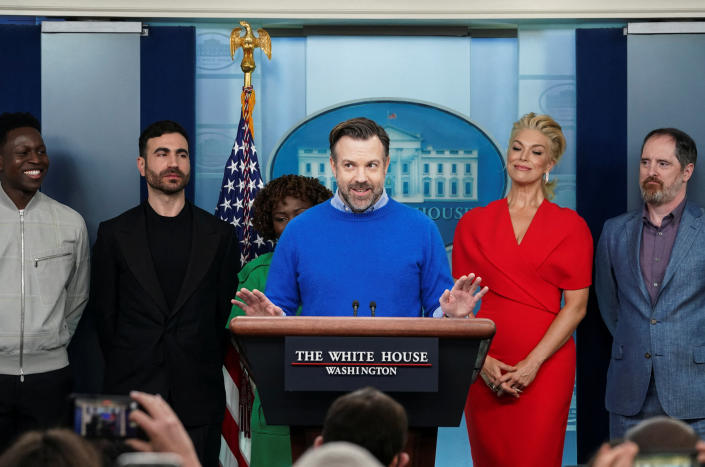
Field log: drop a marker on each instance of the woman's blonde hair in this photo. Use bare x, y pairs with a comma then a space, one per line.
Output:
551, 130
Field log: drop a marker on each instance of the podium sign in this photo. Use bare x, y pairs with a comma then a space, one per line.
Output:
462, 346
393, 364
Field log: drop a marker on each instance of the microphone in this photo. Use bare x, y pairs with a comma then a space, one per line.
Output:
373, 307
356, 305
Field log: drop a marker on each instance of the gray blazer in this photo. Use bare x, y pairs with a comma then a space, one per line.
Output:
668, 337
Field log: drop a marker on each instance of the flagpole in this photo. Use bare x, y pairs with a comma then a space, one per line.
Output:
241, 181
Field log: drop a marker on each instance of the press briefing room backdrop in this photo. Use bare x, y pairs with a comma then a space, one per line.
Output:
603, 74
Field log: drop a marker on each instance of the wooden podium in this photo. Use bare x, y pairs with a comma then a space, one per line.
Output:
462, 347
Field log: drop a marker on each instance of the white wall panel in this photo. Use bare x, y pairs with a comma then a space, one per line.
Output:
90, 122
361, 9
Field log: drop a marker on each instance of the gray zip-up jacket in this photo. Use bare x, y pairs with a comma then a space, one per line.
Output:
44, 280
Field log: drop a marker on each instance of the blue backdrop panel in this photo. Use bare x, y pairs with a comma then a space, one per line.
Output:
20, 52
601, 68
168, 84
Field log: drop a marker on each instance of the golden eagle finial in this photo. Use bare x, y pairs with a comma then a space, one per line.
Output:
249, 43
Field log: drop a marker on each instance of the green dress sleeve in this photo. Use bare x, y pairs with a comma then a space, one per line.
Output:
252, 276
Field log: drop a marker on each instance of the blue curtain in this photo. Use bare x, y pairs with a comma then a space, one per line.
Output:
168, 84
601, 69
20, 82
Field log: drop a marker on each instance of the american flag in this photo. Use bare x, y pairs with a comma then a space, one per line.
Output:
241, 182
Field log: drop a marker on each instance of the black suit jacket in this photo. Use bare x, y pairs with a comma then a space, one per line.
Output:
176, 352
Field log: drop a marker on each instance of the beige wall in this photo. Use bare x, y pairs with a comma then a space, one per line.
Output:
446, 10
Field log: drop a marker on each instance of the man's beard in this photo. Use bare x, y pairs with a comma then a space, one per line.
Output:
375, 195
157, 181
662, 195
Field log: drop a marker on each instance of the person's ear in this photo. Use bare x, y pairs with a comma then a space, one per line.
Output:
688, 171
318, 442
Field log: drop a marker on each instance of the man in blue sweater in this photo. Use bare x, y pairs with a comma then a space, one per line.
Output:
362, 247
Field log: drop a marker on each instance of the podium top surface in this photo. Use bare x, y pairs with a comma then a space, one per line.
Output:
361, 326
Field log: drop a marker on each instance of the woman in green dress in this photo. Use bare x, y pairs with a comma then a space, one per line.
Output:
276, 204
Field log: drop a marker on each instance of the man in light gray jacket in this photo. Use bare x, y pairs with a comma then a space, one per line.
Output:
44, 279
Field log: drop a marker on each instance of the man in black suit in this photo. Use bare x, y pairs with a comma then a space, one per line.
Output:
163, 276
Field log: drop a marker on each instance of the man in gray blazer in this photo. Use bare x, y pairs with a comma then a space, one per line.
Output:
650, 285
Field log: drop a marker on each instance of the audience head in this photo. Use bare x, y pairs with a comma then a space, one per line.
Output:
550, 129
371, 419
284, 198
339, 454
663, 434
55, 447
662, 438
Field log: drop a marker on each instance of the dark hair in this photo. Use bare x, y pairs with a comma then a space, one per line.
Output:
299, 187
686, 151
10, 121
358, 128
369, 418
57, 447
157, 129
662, 434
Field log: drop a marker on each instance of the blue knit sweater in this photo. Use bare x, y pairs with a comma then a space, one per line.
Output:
326, 259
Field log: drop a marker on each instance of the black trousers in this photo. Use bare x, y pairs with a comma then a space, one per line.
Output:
38, 402
206, 440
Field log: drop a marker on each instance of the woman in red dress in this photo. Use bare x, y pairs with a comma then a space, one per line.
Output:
530, 253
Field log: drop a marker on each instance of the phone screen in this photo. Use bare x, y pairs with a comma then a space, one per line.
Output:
102, 416
665, 460
149, 459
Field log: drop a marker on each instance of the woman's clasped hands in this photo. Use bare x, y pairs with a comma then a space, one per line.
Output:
504, 379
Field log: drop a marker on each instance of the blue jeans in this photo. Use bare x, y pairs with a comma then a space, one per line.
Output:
619, 424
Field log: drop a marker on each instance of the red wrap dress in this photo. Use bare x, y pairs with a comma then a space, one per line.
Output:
526, 281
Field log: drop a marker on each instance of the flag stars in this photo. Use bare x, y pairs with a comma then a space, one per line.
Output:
230, 186
226, 204
259, 241
232, 167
